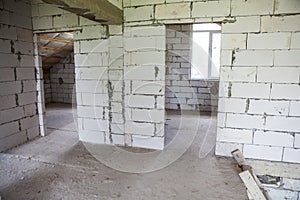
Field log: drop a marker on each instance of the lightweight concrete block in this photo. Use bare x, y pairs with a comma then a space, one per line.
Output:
234, 135
225, 149
238, 74
172, 11
267, 107
91, 86
29, 122
95, 137
294, 108
244, 121
96, 124
7, 88
287, 58
138, 13
211, 8
278, 74
7, 74
65, 20
232, 105
280, 23
25, 73
286, 6
91, 99
282, 123
13, 140
24, 35
295, 41
144, 73
253, 58
233, 41
281, 194
9, 129
249, 90
146, 115
243, 25
291, 155
148, 58
273, 139
139, 128
39, 23
91, 32
291, 184
252, 7
139, 101
263, 152
268, 41
94, 46
148, 142
285, 91
8, 32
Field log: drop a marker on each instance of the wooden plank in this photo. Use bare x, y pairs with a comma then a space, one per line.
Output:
251, 185
56, 40
238, 156
57, 49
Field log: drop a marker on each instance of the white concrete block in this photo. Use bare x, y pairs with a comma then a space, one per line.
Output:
148, 87
277, 123
139, 128
5, 46
268, 107
297, 141
96, 124
29, 122
232, 105
92, 73
65, 20
94, 46
90, 60
7, 88
145, 43
144, 73
24, 35
291, 184
139, 101
145, 115
39, 23
286, 6
91, 32
281, 194
285, 91
243, 25
273, 139
30, 110
118, 139
148, 142
234, 135
252, 7
238, 74
8, 60
138, 13
295, 41
244, 121
211, 8
172, 11
91, 99
27, 98
291, 155
253, 58
225, 149
13, 140
233, 41
145, 58
7, 74
250, 90
221, 119
287, 58
94, 137
115, 29
278, 74
226, 58
8, 32
263, 152
145, 2
9, 129
269, 41
295, 108
280, 23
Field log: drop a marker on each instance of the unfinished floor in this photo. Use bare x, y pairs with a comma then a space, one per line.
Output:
58, 166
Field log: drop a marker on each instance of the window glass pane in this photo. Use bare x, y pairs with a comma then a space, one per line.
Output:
216, 51
205, 27
200, 49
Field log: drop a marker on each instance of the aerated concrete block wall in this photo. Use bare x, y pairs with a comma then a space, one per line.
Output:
182, 93
259, 88
18, 103
62, 81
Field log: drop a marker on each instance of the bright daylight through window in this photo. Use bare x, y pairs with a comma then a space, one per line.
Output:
206, 49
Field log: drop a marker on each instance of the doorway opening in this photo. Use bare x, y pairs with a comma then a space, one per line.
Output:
57, 57
192, 81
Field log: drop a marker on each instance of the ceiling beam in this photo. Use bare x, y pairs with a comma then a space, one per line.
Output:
101, 11
57, 49
56, 40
